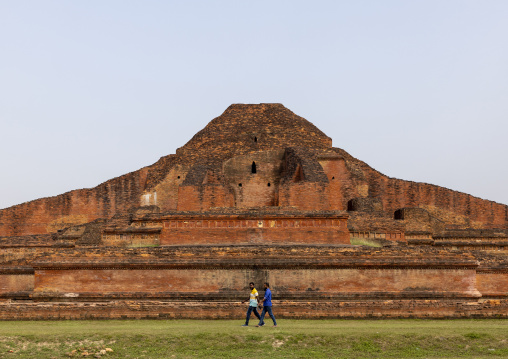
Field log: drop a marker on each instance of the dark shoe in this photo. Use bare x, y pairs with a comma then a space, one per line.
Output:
261, 325
245, 325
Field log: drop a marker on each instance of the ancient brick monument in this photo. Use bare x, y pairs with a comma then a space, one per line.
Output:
258, 195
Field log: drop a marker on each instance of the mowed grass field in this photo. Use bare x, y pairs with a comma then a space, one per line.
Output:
227, 339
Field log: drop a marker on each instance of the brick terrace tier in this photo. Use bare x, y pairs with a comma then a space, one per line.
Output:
234, 227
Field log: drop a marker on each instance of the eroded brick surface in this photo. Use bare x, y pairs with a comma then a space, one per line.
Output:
295, 165
258, 195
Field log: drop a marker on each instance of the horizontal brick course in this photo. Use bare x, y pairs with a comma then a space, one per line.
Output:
138, 309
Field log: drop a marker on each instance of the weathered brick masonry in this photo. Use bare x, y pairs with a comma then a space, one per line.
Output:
295, 166
308, 281
258, 195
48, 215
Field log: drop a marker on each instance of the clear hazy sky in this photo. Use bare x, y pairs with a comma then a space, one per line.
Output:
91, 90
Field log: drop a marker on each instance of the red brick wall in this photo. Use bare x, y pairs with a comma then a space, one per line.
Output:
255, 192
341, 185
303, 283
204, 197
203, 281
237, 230
310, 196
378, 282
257, 189
167, 190
493, 283
107, 281
76, 207
451, 206
12, 283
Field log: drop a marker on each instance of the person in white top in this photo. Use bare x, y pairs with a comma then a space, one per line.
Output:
253, 304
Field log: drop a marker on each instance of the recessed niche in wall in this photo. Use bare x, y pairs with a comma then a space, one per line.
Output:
239, 185
253, 167
269, 184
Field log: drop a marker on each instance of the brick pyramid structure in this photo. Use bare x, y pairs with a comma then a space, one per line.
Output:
286, 149
258, 195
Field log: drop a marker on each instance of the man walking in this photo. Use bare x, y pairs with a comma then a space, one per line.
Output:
267, 306
253, 304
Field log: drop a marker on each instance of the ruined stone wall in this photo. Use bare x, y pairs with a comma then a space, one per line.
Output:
50, 214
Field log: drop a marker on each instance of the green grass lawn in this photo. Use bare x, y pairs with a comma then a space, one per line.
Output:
227, 339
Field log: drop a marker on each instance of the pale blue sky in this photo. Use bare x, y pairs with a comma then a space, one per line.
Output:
91, 90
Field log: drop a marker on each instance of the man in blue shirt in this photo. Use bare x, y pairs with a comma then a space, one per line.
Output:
267, 306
